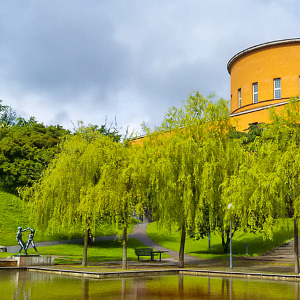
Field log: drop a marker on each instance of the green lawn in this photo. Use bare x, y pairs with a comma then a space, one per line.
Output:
97, 252
14, 213
256, 243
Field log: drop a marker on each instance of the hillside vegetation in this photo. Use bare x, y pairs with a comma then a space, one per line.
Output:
13, 213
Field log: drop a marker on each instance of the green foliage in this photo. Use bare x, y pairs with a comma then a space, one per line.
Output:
254, 130
111, 131
27, 147
65, 195
252, 191
89, 183
118, 185
284, 136
25, 152
187, 161
267, 184
7, 115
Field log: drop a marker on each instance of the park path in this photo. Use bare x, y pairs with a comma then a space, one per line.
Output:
15, 249
139, 233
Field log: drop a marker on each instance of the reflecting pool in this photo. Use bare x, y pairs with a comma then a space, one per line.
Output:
25, 285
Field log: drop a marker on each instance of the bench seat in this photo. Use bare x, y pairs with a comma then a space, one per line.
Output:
145, 252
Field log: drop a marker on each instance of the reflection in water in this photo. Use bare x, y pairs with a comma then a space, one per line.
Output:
123, 288
22, 285
85, 289
208, 285
180, 286
21, 289
230, 289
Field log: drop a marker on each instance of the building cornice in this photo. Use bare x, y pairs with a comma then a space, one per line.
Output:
258, 109
258, 47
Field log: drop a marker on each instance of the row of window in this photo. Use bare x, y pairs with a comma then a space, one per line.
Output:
277, 91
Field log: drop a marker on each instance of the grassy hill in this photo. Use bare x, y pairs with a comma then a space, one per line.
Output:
13, 213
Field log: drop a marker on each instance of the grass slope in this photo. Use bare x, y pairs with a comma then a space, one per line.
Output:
12, 214
257, 245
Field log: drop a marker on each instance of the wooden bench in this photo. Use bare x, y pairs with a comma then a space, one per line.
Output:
148, 252
145, 252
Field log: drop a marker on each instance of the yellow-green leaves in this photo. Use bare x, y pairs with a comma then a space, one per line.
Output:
67, 193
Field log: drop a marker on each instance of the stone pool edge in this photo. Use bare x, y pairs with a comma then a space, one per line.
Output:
126, 274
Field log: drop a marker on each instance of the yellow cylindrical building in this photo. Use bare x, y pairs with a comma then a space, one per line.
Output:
263, 76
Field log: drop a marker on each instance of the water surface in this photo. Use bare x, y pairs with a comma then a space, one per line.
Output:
25, 285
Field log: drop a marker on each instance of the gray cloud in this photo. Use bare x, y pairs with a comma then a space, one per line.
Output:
70, 60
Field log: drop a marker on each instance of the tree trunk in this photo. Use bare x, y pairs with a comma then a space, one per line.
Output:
181, 251
85, 246
296, 246
124, 259
225, 243
148, 214
90, 237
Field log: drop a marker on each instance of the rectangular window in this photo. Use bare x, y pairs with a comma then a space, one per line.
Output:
277, 88
255, 92
240, 97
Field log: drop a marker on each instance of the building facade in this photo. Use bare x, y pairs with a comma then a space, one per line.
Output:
263, 76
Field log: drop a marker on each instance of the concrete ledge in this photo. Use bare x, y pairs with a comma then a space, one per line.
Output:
34, 260
190, 272
6, 262
283, 277
102, 275
206, 273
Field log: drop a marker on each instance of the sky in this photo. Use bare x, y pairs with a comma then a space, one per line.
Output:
100, 61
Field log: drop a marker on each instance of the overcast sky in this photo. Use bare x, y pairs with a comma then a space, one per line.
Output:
68, 60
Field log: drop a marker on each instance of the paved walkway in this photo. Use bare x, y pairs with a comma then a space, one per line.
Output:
15, 249
140, 233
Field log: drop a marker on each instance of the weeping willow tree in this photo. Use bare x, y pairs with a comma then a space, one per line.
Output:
223, 156
177, 161
65, 195
284, 133
253, 191
267, 186
118, 188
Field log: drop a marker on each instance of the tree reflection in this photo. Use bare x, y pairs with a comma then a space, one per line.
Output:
85, 289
